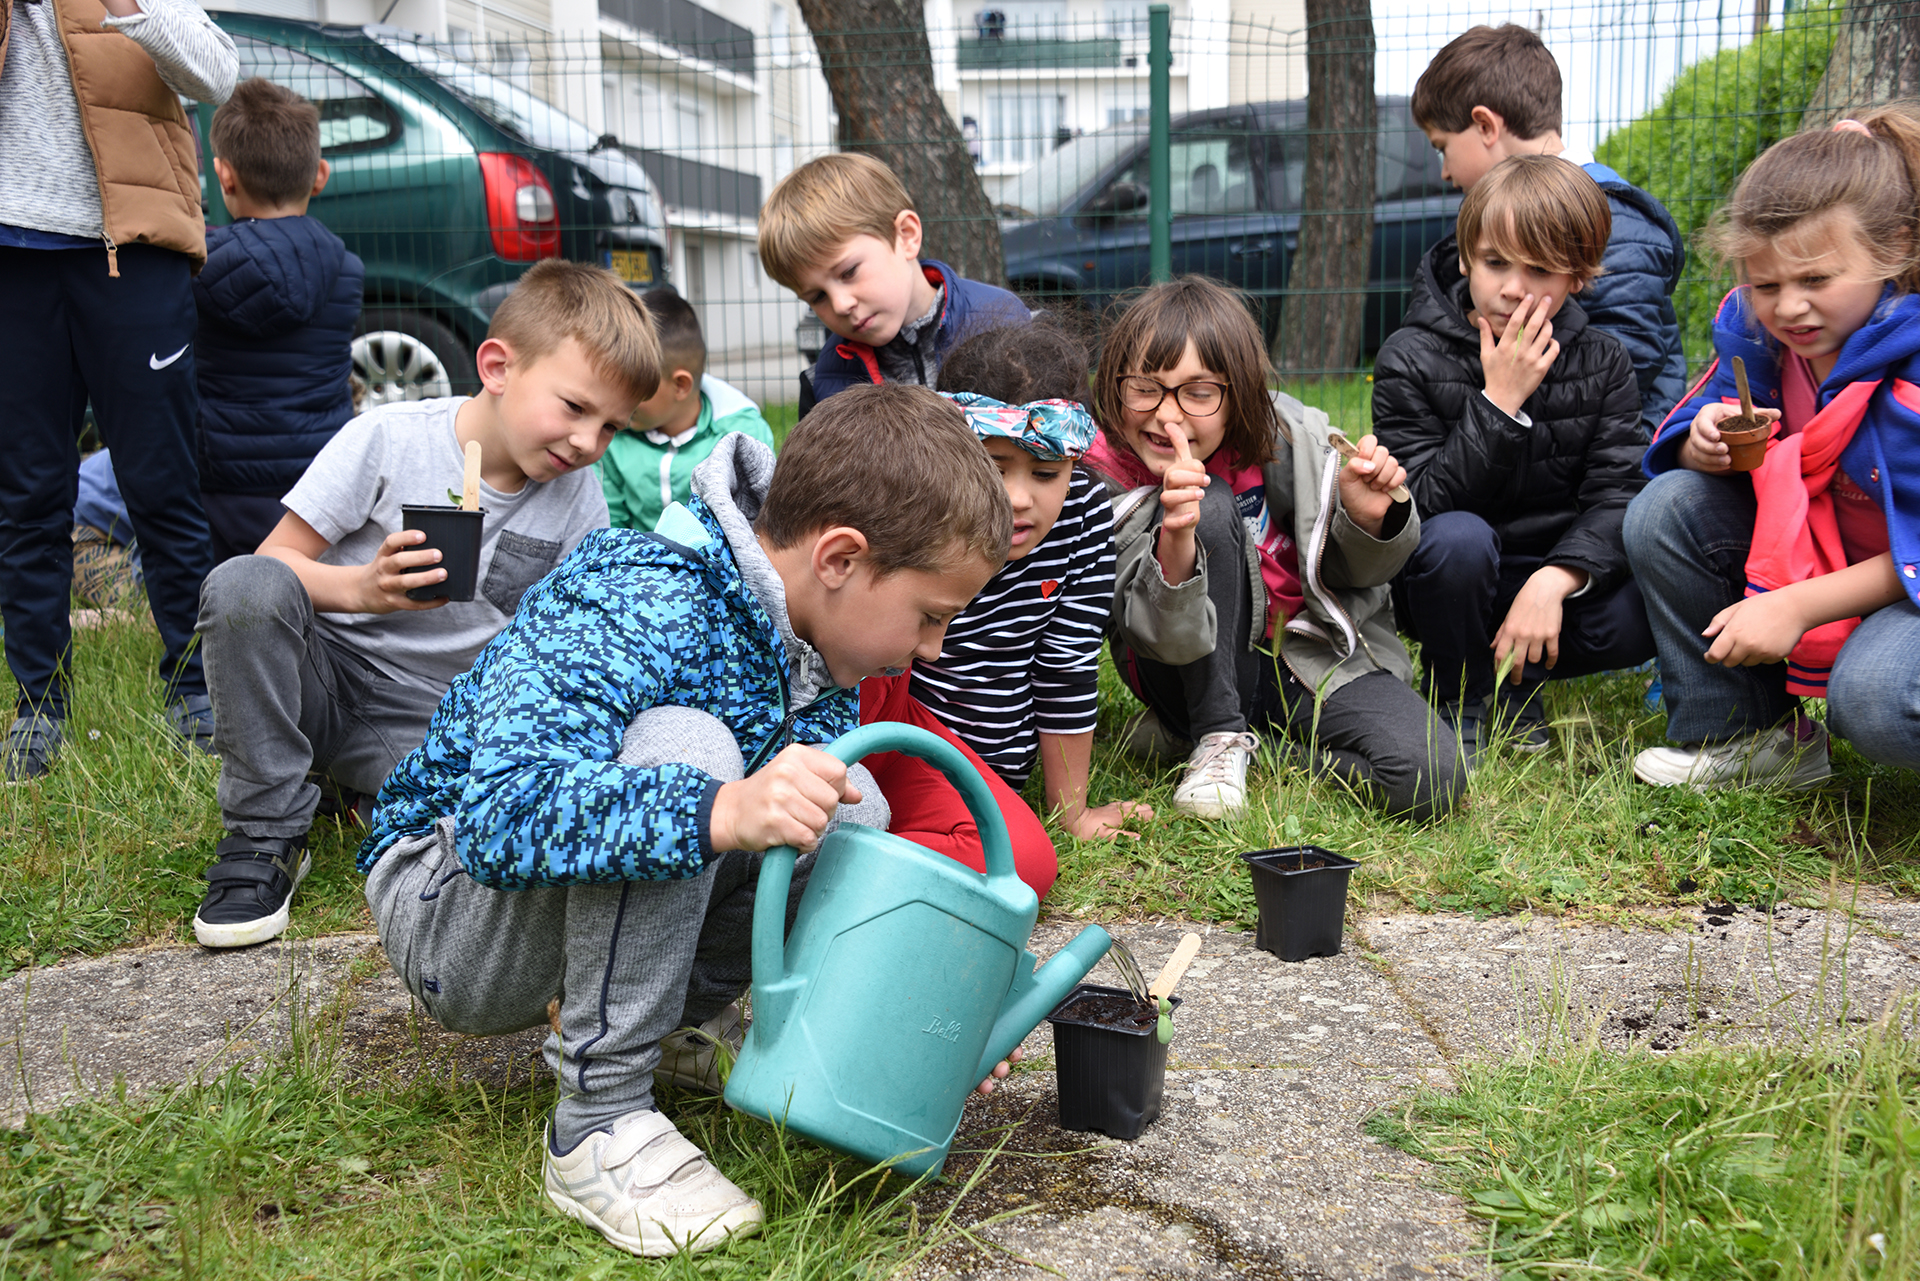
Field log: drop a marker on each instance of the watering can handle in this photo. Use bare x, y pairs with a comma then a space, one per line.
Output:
776, 869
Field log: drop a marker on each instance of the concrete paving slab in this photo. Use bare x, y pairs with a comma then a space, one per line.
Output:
1721, 974
1257, 1167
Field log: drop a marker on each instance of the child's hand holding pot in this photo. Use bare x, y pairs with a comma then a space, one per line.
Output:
1704, 451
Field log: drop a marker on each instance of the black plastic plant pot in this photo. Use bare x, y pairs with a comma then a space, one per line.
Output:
456, 533
1110, 1073
1302, 892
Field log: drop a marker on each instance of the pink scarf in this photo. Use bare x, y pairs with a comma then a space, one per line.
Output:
1796, 531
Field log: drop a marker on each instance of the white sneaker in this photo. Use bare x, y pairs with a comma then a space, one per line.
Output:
1792, 755
648, 1190
690, 1057
1216, 782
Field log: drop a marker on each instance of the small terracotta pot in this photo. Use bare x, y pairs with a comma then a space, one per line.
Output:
1746, 441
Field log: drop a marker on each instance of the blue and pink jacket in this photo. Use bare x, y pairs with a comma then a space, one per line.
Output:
1877, 380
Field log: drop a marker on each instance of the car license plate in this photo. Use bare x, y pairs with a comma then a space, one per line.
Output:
633, 265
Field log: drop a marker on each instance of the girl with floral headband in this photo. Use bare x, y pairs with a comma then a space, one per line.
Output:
1017, 680
1800, 578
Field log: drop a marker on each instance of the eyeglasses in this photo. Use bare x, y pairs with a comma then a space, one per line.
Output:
1144, 395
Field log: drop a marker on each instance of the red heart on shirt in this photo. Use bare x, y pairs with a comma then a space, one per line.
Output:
1049, 587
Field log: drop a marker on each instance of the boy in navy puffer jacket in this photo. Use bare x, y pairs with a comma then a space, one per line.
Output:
278, 300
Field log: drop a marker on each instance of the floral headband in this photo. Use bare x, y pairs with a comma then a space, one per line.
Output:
1054, 430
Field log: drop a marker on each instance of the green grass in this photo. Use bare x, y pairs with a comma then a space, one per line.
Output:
287, 1173
107, 850
1747, 1163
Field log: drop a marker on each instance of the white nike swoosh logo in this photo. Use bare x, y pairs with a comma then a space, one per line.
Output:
154, 362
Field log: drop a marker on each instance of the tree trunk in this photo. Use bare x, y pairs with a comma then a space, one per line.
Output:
880, 72
1326, 299
1875, 59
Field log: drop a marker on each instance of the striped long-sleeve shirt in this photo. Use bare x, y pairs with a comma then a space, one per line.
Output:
1024, 658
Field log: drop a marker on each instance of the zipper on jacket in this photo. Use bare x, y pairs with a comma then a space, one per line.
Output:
113, 252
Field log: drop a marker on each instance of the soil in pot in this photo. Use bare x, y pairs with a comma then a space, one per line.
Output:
1302, 893
1109, 1065
456, 534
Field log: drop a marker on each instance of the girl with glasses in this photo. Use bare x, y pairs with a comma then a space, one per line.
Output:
1252, 565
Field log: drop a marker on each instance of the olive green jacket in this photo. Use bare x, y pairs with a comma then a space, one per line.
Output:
1344, 630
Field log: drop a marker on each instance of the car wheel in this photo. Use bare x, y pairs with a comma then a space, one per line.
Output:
405, 355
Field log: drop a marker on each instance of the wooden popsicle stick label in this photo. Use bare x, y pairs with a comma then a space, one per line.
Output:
470, 494
1176, 966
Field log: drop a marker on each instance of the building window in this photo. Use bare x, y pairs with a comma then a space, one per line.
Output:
1022, 20
1022, 127
686, 123
780, 37
1126, 20
782, 156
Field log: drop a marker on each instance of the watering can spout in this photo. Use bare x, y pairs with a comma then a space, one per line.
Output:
1036, 992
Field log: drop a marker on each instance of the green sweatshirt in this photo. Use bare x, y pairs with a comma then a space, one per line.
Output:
644, 472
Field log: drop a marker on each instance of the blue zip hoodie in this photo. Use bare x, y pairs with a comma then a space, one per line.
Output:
1883, 458
522, 751
970, 307
278, 300
1632, 299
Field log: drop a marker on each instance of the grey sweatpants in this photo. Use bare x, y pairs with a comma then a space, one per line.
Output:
630, 962
287, 700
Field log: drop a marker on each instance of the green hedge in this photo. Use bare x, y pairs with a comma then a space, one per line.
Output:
1719, 114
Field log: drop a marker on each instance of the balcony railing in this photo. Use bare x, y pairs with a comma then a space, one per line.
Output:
689, 184
1018, 55
694, 30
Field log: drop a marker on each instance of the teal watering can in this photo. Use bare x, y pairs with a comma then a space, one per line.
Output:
905, 980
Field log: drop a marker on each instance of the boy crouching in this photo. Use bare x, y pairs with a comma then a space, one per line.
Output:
587, 813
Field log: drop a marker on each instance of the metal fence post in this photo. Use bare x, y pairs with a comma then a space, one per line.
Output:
1159, 161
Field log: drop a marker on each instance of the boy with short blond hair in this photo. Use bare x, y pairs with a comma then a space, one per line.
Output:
650, 465
841, 232
1494, 92
1518, 423
318, 658
588, 812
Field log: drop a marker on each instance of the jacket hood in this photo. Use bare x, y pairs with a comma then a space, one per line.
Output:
1647, 207
732, 484
1439, 301
266, 276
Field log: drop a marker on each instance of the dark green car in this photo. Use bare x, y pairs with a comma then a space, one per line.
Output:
449, 183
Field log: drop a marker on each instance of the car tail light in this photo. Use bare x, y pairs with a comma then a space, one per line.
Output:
521, 212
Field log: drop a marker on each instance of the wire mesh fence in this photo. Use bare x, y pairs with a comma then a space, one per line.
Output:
462, 153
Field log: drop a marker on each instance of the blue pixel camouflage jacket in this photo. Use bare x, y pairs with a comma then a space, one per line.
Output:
522, 751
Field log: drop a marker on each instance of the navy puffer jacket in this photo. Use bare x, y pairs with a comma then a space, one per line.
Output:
1633, 297
1557, 487
278, 301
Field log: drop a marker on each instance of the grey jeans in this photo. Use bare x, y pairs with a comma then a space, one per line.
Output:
287, 700
630, 961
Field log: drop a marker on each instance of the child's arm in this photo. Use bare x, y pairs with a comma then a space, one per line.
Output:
1765, 628
1180, 490
1455, 460
1366, 484
788, 801
378, 587
1065, 762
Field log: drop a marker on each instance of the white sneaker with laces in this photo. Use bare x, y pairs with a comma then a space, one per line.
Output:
648, 1190
1215, 785
1793, 755
690, 1057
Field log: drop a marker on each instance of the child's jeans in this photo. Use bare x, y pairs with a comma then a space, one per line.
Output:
286, 700
1688, 535
1457, 587
1374, 733
630, 961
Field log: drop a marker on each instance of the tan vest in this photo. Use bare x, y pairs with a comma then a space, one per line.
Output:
143, 152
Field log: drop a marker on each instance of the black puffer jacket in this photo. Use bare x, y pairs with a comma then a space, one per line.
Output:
1557, 489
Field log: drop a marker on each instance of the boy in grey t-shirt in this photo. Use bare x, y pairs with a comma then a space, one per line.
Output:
317, 659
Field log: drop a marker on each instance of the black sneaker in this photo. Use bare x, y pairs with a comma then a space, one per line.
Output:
250, 889
31, 744
192, 719
1468, 722
1523, 718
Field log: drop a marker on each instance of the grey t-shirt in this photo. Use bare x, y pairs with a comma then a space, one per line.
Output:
407, 452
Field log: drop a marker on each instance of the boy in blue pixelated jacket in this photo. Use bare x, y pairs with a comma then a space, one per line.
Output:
583, 823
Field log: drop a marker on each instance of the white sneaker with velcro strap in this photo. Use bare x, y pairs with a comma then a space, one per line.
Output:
645, 1188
